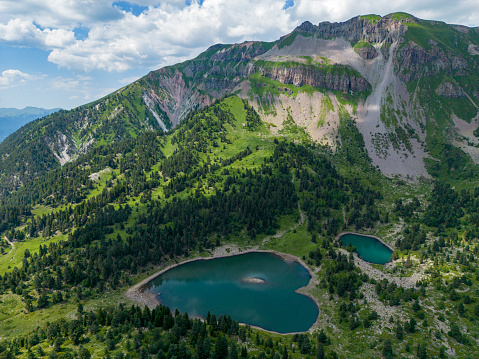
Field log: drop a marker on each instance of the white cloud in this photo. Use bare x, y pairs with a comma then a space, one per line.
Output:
65, 14
25, 33
78, 87
167, 34
11, 78
171, 31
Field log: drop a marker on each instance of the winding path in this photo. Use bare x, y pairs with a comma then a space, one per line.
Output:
11, 243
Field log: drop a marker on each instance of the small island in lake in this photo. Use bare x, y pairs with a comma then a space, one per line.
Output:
253, 280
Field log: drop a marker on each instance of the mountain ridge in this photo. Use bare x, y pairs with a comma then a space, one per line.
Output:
379, 72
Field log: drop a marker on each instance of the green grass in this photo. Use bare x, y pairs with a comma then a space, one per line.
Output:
14, 257
296, 242
461, 107
288, 40
294, 132
16, 321
261, 85
268, 45
169, 148
40, 210
401, 16
326, 108
105, 175
373, 18
363, 45
448, 38
308, 59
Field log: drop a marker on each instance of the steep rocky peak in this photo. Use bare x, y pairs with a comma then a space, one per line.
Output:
306, 27
370, 28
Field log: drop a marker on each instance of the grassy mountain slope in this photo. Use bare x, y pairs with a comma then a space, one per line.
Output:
157, 101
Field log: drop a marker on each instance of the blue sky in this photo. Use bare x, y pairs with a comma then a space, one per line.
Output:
64, 53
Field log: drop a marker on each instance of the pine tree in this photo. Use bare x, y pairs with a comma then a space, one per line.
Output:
421, 351
320, 351
387, 351
221, 348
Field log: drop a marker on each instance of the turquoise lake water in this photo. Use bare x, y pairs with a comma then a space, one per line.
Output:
368, 248
217, 285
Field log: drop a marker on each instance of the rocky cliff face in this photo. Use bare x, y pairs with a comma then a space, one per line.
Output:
338, 78
414, 62
380, 30
367, 53
196, 83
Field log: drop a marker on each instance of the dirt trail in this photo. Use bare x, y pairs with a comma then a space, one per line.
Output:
11, 243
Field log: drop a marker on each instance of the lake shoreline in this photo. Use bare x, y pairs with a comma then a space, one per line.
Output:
338, 238
140, 294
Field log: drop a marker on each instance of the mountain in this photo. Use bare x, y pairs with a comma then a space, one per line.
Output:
11, 119
410, 86
366, 126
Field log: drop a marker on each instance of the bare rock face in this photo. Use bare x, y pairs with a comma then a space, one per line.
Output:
62, 147
339, 78
473, 49
367, 53
385, 51
211, 75
357, 29
448, 89
414, 62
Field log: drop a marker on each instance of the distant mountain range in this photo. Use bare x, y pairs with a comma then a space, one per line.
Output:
11, 119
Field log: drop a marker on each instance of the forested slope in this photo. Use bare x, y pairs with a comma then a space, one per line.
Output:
83, 233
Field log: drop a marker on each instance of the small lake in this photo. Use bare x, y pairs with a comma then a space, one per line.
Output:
368, 248
255, 288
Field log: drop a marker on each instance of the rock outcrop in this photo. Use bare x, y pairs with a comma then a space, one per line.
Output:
357, 29
336, 78
448, 89
366, 52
